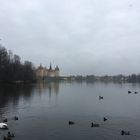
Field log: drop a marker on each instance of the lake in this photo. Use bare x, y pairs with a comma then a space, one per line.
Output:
44, 110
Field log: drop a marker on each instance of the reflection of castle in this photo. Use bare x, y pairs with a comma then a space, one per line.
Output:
42, 72
48, 87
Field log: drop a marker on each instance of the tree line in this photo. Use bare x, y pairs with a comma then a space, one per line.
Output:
133, 78
12, 69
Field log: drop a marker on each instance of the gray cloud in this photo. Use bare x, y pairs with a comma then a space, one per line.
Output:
82, 36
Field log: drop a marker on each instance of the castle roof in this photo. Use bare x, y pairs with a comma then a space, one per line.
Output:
50, 67
40, 67
57, 68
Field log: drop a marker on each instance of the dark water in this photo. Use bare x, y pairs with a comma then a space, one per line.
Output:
45, 109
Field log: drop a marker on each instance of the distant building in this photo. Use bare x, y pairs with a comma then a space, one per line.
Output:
43, 72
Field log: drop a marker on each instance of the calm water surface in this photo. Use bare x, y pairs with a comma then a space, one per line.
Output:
45, 109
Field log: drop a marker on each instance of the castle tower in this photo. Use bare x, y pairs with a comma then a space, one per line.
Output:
50, 67
56, 71
51, 71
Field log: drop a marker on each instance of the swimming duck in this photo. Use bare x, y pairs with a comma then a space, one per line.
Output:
104, 119
101, 97
5, 120
95, 125
16, 118
125, 132
10, 135
71, 123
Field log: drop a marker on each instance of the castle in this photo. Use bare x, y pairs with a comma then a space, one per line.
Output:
42, 72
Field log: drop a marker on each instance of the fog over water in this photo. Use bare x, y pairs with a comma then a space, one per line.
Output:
81, 37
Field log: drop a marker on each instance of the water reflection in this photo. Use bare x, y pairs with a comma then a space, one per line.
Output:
11, 95
51, 87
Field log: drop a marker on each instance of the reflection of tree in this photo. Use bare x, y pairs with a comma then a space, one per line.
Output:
50, 87
11, 94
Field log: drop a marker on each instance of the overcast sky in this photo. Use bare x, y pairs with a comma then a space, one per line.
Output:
80, 36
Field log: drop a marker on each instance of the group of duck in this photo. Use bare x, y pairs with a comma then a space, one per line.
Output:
3, 125
10, 135
123, 132
92, 124
135, 92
